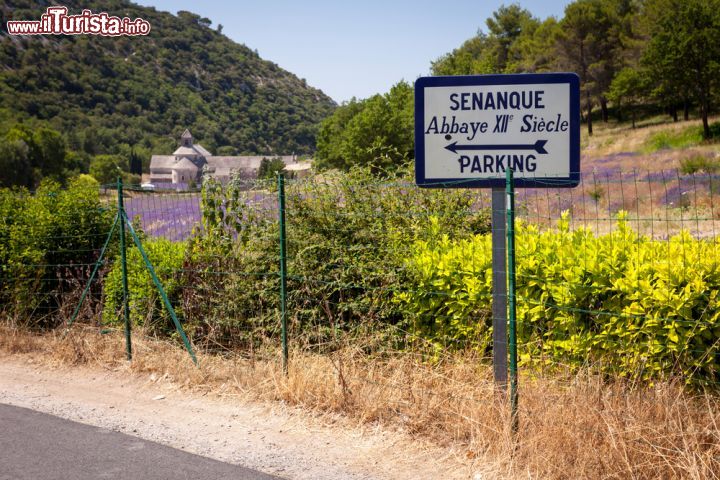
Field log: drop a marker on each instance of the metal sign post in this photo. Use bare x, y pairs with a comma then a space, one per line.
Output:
472, 131
499, 278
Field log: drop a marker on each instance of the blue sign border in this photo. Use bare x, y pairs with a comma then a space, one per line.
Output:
511, 79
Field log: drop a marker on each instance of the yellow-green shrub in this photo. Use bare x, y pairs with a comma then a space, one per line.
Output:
625, 303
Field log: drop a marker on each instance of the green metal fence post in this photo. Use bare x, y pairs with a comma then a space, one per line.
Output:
158, 285
283, 271
512, 333
123, 261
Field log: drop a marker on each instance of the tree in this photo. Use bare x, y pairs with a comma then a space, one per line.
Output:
579, 46
377, 131
15, 166
46, 151
270, 167
629, 88
617, 46
50, 152
135, 163
106, 168
534, 49
331, 135
76, 163
493, 52
472, 57
228, 150
593, 39
505, 26
684, 48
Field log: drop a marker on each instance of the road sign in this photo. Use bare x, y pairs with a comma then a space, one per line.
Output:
469, 129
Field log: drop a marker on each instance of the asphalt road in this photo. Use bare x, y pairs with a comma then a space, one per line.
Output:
37, 446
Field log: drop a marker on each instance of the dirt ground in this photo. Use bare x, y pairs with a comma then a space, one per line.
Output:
272, 438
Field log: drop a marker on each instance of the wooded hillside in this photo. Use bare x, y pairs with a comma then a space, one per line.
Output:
116, 95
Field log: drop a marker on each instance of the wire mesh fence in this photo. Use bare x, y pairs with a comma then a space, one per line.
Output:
619, 274
388, 303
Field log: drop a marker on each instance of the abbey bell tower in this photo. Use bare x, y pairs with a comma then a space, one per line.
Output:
186, 139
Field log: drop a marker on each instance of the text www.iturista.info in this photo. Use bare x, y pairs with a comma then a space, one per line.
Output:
56, 21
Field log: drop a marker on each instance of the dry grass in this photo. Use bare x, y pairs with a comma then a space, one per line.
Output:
616, 137
570, 426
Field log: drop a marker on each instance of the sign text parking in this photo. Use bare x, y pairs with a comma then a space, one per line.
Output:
470, 129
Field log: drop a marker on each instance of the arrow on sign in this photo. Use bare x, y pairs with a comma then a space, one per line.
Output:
538, 146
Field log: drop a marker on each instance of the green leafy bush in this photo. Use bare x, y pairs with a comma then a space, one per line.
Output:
699, 163
631, 306
146, 307
232, 265
447, 295
49, 241
347, 235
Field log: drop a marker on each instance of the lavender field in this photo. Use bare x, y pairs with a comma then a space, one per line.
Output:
660, 200
177, 215
171, 216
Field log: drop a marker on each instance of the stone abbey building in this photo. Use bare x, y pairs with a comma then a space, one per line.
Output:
191, 161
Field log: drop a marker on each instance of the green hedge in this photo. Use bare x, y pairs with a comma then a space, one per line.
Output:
624, 303
49, 240
364, 255
348, 236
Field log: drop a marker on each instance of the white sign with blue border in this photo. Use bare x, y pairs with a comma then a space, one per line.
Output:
469, 129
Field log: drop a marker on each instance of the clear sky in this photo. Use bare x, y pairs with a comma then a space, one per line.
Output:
352, 48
